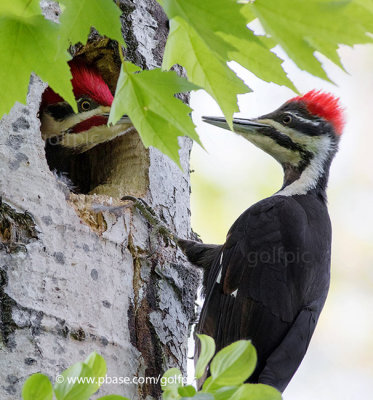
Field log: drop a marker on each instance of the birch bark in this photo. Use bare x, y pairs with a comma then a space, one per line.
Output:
72, 281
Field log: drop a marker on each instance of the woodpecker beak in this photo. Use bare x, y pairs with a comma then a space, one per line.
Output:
124, 120
262, 135
240, 125
88, 129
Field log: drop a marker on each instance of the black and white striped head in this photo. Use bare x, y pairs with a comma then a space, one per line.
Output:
302, 135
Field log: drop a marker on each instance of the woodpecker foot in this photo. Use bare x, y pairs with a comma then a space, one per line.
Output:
153, 219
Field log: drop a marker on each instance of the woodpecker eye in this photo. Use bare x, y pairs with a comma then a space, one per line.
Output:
85, 105
286, 119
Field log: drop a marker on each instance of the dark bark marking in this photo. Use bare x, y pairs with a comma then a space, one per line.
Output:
15, 164
156, 11
131, 52
16, 229
78, 334
142, 333
59, 257
30, 361
20, 124
47, 220
104, 341
15, 141
7, 325
106, 304
94, 274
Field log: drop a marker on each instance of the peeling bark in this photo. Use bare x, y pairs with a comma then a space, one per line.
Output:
73, 281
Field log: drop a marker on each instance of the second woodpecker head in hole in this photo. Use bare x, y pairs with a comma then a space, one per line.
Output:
81, 131
302, 135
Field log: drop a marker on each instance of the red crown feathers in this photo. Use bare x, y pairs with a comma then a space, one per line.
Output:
86, 81
324, 105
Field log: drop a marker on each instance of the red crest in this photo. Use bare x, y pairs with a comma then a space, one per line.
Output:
86, 81
324, 105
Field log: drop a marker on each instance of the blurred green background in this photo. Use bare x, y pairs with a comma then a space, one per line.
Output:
233, 174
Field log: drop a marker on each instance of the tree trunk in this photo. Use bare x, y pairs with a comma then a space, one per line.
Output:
73, 281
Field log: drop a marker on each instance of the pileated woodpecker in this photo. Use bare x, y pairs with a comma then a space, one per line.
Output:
268, 282
79, 132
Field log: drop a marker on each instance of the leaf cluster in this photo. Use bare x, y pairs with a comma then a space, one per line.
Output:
204, 37
229, 369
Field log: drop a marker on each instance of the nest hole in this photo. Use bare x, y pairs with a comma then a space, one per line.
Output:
113, 168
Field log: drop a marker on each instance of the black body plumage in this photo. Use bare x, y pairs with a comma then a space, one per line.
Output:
274, 277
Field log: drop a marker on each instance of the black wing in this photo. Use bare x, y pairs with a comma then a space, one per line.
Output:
260, 283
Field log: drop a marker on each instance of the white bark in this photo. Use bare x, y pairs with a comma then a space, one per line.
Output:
77, 282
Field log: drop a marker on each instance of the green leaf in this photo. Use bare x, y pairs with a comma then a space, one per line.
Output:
170, 395
368, 4
19, 7
204, 67
208, 18
233, 364
225, 393
187, 391
28, 43
98, 367
147, 97
246, 10
303, 27
203, 53
113, 397
79, 16
256, 392
74, 389
257, 58
171, 380
206, 354
37, 387
210, 385
200, 396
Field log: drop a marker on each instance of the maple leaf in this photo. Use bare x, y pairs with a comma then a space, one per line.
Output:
147, 97
28, 44
303, 27
79, 16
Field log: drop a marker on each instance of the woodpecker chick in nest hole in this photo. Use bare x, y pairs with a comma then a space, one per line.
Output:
81, 131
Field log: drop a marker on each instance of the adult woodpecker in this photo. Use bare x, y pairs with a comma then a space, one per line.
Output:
79, 132
268, 282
